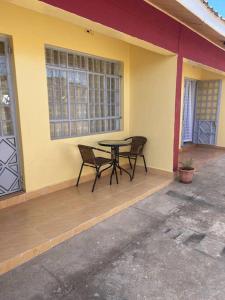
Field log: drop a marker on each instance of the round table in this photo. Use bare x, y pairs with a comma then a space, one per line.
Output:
115, 145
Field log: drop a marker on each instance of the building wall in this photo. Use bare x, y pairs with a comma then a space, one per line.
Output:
138, 19
48, 162
198, 73
191, 71
152, 94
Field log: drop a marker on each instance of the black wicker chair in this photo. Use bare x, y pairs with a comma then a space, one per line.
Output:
90, 160
136, 150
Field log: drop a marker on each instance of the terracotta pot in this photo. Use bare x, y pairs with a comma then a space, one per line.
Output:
186, 176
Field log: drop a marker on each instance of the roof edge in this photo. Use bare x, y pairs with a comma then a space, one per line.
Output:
205, 13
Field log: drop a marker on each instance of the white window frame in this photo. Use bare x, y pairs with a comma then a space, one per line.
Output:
106, 73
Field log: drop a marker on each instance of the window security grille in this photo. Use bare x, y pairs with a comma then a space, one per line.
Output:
83, 93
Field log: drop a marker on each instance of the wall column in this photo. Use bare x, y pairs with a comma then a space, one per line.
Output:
177, 112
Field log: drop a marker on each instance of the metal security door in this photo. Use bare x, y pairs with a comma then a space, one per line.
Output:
207, 112
9, 165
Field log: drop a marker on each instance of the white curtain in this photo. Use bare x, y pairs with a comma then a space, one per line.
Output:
188, 110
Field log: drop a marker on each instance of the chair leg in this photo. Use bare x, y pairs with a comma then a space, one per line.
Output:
146, 170
134, 167
78, 179
99, 173
130, 162
96, 177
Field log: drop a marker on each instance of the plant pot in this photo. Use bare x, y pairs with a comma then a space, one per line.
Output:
185, 175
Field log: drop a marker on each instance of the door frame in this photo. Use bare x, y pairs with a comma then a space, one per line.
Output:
14, 107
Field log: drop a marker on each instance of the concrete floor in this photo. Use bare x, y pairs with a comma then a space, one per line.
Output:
169, 246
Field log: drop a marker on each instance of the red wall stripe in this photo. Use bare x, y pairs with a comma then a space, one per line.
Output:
177, 112
200, 50
139, 19
178, 102
134, 17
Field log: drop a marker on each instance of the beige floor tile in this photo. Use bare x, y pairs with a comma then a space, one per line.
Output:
32, 227
201, 155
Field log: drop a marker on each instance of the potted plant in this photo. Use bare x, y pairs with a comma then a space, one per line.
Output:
186, 171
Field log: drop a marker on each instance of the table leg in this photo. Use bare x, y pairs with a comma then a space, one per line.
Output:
116, 175
124, 170
115, 156
113, 170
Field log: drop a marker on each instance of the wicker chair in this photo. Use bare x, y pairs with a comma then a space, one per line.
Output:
90, 160
136, 150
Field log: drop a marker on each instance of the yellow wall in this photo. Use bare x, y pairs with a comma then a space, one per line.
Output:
191, 71
198, 73
47, 162
152, 90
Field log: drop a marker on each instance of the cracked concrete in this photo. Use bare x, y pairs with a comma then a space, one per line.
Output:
168, 246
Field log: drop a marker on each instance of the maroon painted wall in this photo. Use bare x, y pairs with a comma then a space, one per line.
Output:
137, 18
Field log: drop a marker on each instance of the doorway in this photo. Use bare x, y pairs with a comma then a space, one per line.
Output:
200, 111
10, 178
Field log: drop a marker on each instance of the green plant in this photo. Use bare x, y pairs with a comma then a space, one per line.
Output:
187, 164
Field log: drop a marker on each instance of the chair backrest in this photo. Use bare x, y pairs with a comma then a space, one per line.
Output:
87, 154
137, 144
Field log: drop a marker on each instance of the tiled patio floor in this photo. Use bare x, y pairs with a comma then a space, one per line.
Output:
35, 226
201, 155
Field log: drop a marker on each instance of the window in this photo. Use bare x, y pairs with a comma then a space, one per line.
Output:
83, 94
6, 124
